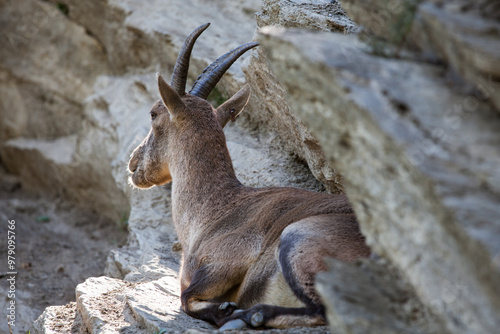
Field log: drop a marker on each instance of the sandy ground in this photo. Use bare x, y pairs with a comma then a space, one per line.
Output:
57, 246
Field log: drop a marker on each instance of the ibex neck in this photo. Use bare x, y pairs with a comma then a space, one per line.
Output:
204, 181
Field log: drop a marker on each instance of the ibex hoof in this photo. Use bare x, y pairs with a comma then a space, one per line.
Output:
233, 324
225, 305
257, 319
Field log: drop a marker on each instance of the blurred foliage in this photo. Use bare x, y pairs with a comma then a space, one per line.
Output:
64, 8
217, 98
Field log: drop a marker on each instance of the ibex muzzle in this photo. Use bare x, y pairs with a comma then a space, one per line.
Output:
249, 255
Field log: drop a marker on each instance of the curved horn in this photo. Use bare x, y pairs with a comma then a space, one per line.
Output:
180, 73
212, 73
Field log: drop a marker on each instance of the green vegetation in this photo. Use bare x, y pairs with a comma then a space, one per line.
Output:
43, 219
217, 98
64, 8
400, 27
123, 223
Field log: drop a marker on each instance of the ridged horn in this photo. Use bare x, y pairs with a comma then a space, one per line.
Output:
214, 72
180, 73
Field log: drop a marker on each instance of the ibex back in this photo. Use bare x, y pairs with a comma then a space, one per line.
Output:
249, 255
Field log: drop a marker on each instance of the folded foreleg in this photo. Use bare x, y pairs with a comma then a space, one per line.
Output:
269, 316
207, 296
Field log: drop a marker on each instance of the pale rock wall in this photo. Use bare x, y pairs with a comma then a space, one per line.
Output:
269, 110
44, 124
416, 142
321, 15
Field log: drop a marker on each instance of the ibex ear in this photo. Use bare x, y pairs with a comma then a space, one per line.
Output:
169, 96
230, 109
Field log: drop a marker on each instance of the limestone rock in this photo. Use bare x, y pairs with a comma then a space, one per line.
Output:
467, 42
67, 170
43, 126
422, 177
366, 297
271, 112
156, 305
269, 109
324, 15
60, 319
45, 79
388, 20
99, 306
113, 306
137, 36
454, 32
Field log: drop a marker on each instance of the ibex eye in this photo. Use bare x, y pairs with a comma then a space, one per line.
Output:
153, 115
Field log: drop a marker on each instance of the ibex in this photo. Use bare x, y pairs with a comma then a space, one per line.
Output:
249, 255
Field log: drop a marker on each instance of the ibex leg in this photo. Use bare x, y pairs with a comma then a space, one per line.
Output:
205, 298
303, 246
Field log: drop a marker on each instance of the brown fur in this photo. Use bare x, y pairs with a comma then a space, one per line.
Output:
236, 239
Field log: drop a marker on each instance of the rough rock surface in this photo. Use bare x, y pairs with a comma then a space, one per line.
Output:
269, 110
467, 41
60, 319
422, 178
43, 124
324, 15
367, 297
461, 33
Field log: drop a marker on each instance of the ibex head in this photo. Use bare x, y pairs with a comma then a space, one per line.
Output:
178, 112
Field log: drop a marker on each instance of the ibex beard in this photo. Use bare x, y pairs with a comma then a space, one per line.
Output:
249, 255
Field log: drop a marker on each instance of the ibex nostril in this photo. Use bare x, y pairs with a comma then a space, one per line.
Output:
132, 166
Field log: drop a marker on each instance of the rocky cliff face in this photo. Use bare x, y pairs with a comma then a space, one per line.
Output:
406, 109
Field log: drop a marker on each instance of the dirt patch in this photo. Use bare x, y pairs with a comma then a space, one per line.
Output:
57, 247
